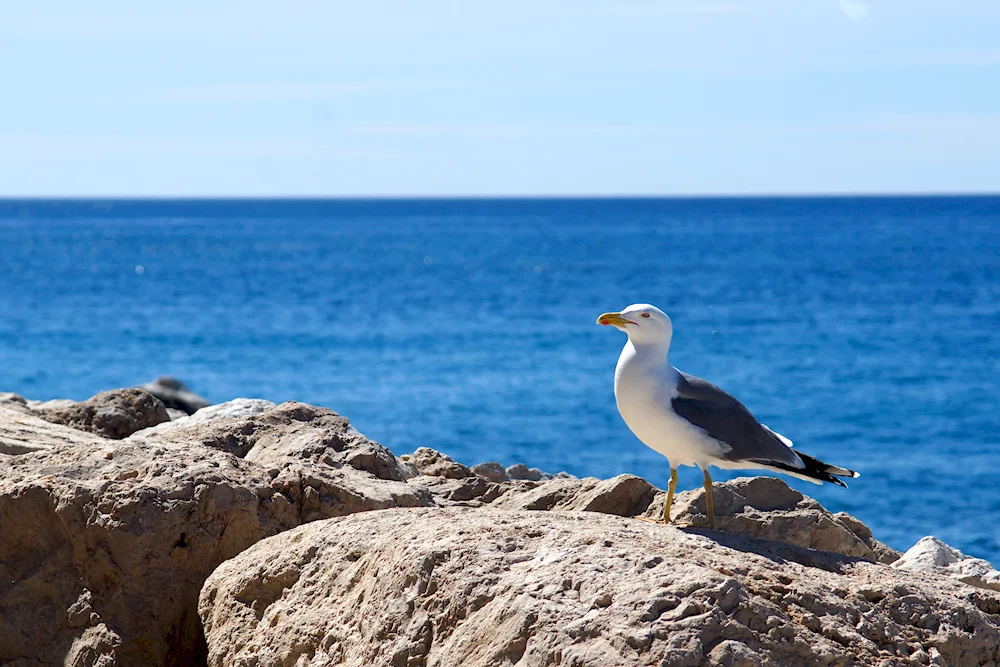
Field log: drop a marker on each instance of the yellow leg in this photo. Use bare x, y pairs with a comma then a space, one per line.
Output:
708, 498
670, 495
670, 501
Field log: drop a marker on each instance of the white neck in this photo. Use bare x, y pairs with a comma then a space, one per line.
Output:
651, 351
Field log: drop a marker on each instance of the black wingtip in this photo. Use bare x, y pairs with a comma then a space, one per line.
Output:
818, 470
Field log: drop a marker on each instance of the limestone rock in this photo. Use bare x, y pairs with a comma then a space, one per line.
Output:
22, 432
175, 394
435, 464
624, 495
52, 404
768, 508
484, 587
106, 543
12, 401
238, 407
315, 457
521, 471
492, 471
451, 483
175, 414
112, 414
930, 554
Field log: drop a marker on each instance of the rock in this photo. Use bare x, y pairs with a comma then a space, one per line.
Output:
768, 508
483, 587
731, 653
106, 543
175, 394
435, 464
114, 414
11, 400
521, 471
22, 432
318, 460
932, 555
54, 404
452, 483
624, 495
238, 407
492, 471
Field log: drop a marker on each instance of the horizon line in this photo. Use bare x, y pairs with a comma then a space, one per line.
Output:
511, 197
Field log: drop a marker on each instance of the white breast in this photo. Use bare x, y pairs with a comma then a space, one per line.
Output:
644, 387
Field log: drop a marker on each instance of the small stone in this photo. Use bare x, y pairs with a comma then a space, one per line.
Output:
492, 471
521, 471
603, 600
731, 653
435, 464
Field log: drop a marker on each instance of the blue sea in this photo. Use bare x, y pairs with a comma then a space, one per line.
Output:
867, 330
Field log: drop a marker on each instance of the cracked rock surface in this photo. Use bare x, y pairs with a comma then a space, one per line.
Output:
107, 543
488, 587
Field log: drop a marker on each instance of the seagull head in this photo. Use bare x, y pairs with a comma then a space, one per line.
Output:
642, 322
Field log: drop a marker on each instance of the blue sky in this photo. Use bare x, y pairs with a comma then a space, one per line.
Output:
662, 97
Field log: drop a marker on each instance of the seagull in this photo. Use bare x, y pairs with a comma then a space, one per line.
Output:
691, 421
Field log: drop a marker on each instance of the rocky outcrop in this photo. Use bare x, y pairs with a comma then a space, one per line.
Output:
17, 402
487, 587
22, 432
12, 401
932, 555
313, 456
453, 484
112, 414
766, 507
175, 394
521, 471
624, 495
106, 544
239, 407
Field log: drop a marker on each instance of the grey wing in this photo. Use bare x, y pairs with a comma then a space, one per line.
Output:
724, 418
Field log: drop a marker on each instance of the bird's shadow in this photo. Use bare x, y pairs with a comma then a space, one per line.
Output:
778, 552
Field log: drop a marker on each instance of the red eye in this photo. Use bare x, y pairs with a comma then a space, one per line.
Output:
645, 314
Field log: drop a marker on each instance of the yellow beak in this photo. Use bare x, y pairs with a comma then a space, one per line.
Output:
613, 319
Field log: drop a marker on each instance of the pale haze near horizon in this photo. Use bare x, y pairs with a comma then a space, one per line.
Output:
654, 97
